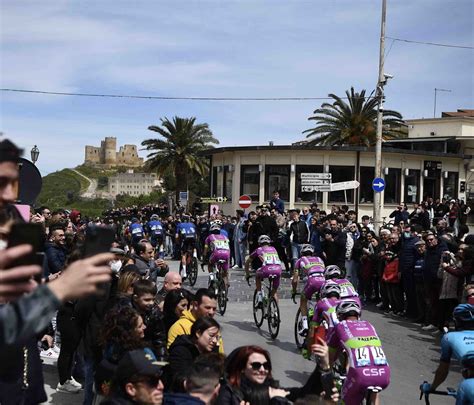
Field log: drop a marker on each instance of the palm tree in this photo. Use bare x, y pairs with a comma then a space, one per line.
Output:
179, 150
353, 122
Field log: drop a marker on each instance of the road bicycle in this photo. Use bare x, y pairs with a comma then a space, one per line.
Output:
267, 308
451, 392
217, 284
300, 339
371, 390
191, 266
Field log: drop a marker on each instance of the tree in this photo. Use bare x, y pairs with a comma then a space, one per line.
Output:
180, 150
353, 122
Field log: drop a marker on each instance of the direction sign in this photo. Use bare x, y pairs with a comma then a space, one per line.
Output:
245, 201
183, 196
310, 188
345, 185
314, 182
327, 176
378, 184
213, 209
211, 200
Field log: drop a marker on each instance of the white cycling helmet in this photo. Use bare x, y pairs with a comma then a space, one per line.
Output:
346, 306
307, 250
154, 216
217, 222
215, 227
264, 240
332, 271
328, 288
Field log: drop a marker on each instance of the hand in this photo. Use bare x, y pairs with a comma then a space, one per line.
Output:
160, 263
82, 277
321, 350
293, 296
425, 388
247, 279
37, 219
48, 339
244, 403
277, 392
335, 397
16, 281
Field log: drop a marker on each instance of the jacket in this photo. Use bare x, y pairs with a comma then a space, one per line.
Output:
300, 232
407, 254
181, 327
182, 354
56, 258
181, 399
433, 260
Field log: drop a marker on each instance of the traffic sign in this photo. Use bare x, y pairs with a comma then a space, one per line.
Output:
183, 196
211, 200
245, 201
327, 176
378, 184
213, 209
323, 188
345, 185
314, 182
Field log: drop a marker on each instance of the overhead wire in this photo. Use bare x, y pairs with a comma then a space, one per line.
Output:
431, 43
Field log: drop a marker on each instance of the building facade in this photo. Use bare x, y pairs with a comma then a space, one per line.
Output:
437, 166
106, 155
133, 184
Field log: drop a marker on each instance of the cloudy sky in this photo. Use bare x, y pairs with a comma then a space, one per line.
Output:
217, 49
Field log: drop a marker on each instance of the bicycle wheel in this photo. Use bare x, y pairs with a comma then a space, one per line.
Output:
299, 340
193, 272
257, 312
221, 296
273, 318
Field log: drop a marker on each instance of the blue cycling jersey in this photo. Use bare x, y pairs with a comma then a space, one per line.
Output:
225, 233
186, 230
136, 230
456, 344
155, 229
465, 394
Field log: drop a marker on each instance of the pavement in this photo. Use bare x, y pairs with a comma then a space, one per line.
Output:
413, 354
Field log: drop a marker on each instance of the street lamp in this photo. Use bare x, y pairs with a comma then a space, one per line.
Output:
34, 154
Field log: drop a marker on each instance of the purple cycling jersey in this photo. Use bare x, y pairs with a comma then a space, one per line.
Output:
368, 365
326, 311
271, 265
347, 289
310, 265
217, 242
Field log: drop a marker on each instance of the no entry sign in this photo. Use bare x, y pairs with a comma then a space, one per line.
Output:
244, 201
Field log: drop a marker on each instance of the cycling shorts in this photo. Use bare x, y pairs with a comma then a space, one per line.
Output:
270, 270
313, 284
188, 244
359, 379
220, 254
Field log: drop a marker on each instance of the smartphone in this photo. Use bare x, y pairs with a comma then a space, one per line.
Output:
98, 240
28, 234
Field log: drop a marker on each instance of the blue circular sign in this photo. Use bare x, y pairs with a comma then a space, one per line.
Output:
378, 184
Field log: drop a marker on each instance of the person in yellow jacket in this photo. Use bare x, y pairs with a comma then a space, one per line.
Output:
203, 304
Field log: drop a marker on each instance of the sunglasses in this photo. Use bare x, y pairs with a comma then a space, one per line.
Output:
151, 381
257, 365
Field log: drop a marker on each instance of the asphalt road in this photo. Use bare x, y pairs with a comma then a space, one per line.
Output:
412, 353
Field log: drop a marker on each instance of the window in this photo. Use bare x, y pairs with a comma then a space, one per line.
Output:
450, 186
277, 178
250, 181
341, 173
305, 196
366, 193
392, 186
412, 186
227, 184
214, 181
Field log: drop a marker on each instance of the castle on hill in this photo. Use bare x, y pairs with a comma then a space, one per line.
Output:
106, 155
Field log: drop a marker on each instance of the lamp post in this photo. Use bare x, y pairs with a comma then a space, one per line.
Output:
436, 91
34, 154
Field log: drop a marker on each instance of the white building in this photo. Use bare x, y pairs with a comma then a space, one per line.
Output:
133, 184
436, 160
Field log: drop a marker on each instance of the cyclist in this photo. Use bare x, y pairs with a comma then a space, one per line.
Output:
454, 344
465, 392
154, 230
218, 244
270, 266
313, 272
334, 273
186, 238
136, 231
367, 364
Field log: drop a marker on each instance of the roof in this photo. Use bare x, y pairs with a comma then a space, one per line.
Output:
459, 113
214, 151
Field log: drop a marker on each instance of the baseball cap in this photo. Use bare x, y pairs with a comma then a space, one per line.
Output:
420, 242
117, 251
137, 363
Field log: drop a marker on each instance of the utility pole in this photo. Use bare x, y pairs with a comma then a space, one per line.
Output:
436, 91
378, 145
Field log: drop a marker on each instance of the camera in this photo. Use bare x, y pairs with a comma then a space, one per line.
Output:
387, 76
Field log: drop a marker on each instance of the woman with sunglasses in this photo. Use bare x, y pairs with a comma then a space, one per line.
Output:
249, 379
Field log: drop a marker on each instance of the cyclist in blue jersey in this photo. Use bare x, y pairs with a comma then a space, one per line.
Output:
465, 393
454, 344
155, 233
186, 235
136, 231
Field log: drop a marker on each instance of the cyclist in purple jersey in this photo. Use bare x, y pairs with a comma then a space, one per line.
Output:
367, 364
218, 245
271, 266
334, 273
325, 310
312, 268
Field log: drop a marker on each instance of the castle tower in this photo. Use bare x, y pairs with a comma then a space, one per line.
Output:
110, 151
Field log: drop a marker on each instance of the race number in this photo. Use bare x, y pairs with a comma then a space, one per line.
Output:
362, 357
378, 356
